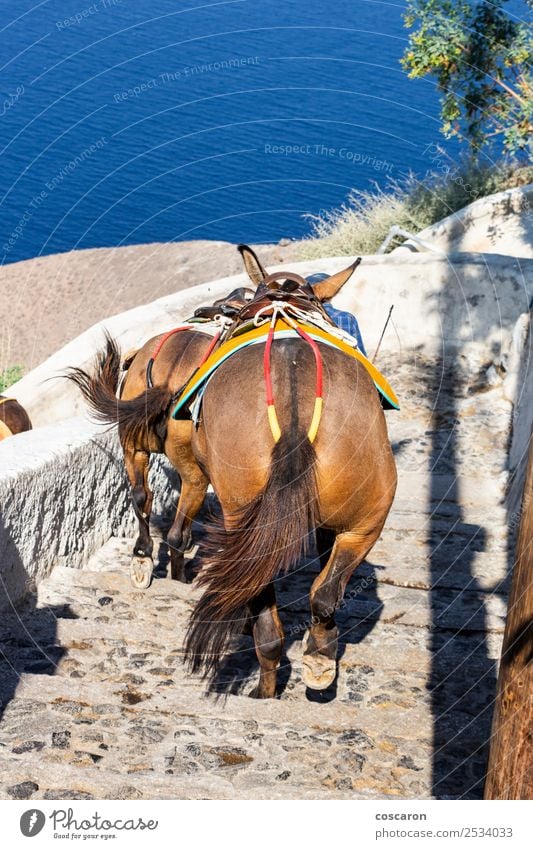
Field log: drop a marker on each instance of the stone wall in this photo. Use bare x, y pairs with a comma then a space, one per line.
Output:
63, 494
501, 223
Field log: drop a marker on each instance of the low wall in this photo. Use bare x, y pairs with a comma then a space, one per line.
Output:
464, 301
63, 493
501, 223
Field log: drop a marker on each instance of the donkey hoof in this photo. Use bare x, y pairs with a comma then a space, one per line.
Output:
191, 552
258, 693
318, 671
141, 572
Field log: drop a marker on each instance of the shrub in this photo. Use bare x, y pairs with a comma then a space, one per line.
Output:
361, 225
9, 376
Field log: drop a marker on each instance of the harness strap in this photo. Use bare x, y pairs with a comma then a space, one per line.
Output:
271, 410
207, 354
156, 351
319, 402
221, 320
259, 336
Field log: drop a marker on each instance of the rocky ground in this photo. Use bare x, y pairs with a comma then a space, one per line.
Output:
97, 704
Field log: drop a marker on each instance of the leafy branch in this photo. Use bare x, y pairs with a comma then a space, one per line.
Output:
481, 59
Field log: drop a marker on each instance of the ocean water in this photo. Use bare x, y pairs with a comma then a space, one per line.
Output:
130, 121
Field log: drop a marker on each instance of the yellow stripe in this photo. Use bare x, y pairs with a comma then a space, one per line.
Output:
3, 400
273, 422
315, 421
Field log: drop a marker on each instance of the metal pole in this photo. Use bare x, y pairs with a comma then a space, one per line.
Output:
382, 334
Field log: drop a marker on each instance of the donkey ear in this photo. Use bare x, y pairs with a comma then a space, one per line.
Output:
255, 270
331, 285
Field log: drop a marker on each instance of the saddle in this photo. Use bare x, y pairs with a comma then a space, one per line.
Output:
294, 291
283, 306
229, 306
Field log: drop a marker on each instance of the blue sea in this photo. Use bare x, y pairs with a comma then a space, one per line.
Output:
131, 121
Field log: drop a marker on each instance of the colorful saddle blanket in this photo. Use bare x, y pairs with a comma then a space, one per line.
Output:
283, 331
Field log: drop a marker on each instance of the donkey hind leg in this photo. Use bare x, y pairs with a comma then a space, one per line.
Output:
321, 640
179, 537
268, 639
141, 567
193, 491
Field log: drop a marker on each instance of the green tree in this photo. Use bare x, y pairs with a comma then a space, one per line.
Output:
481, 58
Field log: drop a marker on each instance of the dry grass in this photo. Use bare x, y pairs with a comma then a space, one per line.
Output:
362, 223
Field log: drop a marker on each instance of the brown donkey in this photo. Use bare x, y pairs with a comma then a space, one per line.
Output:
142, 413
143, 430
274, 494
138, 404
13, 417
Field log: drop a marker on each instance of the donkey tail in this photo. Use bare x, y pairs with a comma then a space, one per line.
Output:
267, 538
99, 388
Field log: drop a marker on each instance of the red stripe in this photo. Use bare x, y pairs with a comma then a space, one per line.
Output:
160, 344
210, 349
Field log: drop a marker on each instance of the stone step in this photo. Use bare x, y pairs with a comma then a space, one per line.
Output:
63, 781
446, 518
464, 544
76, 644
167, 601
479, 575
447, 565
477, 490
441, 550
162, 724
134, 722
137, 724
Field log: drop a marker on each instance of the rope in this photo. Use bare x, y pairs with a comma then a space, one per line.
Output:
313, 317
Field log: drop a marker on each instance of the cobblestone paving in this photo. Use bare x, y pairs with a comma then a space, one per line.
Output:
97, 704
